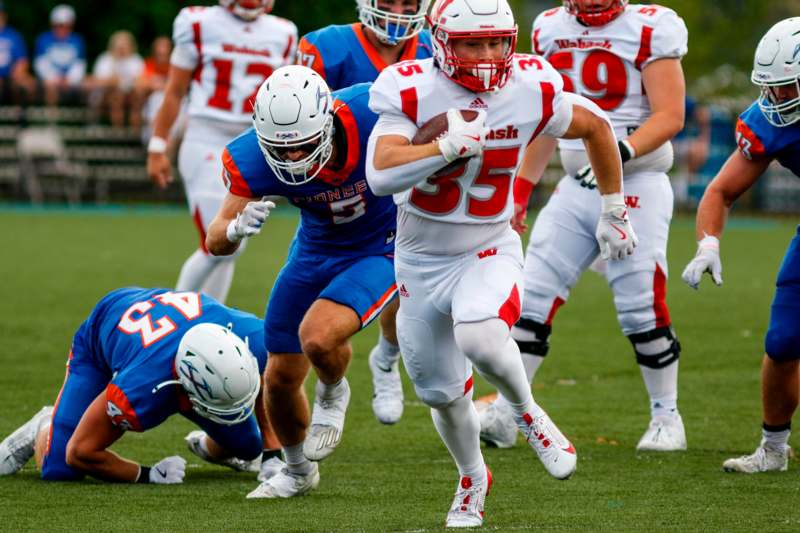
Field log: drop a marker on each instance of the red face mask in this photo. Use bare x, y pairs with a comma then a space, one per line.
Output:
594, 13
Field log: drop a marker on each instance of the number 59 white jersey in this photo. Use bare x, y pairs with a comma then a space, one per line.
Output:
604, 63
230, 58
408, 94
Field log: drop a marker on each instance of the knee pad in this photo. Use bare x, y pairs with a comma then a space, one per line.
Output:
481, 341
532, 337
782, 344
657, 348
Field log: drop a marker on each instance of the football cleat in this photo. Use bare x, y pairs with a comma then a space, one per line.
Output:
467, 508
193, 441
18, 448
665, 434
327, 425
270, 468
387, 398
286, 484
764, 459
498, 427
555, 451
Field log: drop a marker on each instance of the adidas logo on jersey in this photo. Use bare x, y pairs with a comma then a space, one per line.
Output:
478, 103
403, 292
509, 132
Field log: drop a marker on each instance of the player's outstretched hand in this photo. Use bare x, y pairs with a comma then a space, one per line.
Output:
249, 221
159, 169
705, 260
463, 138
615, 234
518, 223
168, 471
586, 177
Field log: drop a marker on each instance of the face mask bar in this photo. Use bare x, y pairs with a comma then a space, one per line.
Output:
595, 16
392, 28
779, 112
305, 169
475, 75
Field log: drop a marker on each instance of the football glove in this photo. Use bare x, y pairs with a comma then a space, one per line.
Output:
615, 234
586, 175
168, 471
463, 138
705, 260
249, 221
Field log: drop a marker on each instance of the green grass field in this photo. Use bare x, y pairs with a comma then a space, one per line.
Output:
56, 265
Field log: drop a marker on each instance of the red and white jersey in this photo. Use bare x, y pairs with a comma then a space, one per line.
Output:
479, 191
230, 58
604, 63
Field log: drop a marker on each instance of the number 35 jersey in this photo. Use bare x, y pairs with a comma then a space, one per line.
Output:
605, 63
478, 190
230, 58
339, 214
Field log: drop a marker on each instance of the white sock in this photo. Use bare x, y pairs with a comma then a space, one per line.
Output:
531, 363
204, 445
330, 392
496, 357
459, 428
776, 440
661, 383
296, 461
195, 271
218, 282
387, 354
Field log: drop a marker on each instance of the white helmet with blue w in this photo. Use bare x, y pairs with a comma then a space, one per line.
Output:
392, 28
293, 114
218, 372
776, 70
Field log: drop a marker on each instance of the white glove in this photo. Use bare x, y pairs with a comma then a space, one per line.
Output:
249, 221
705, 260
614, 231
586, 177
463, 139
168, 471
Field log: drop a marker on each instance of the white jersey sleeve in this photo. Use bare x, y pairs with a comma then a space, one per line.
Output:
561, 108
185, 52
670, 37
384, 101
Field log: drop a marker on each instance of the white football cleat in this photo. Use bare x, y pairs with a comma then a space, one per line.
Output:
467, 508
193, 441
555, 451
287, 485
327, 425
18, 448
665, 434
498, 427
764, 459
270, 468
387, 398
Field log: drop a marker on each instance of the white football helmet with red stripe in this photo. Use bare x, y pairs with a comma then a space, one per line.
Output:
248, 9
392, 28
776, 70
595, 12
293, 112
473, 19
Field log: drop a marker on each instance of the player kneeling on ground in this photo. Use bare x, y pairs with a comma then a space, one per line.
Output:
767, 131
142, 356
458, 262
309, 146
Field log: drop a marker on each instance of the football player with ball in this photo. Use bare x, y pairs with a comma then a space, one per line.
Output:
458, 263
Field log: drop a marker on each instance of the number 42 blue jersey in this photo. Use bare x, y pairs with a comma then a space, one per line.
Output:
339, 213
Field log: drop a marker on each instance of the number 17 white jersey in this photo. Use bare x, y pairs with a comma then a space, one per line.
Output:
480, 190
605, 63
230, 58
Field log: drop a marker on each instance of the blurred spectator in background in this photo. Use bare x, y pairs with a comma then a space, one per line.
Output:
151, 83
60, 57
16, 83
113, 79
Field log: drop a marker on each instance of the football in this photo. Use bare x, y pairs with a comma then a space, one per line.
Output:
435, 128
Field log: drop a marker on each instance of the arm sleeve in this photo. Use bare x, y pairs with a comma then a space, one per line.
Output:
670, 38
556, 106
120, 410
309, 56
290, 53
185, 54
748, 142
